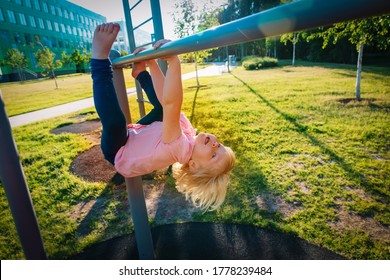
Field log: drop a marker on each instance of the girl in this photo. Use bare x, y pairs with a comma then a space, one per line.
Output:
164, 136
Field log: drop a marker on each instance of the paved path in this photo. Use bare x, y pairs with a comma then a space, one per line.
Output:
214, 70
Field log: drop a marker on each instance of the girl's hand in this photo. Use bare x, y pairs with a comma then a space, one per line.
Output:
160, 43
140, 49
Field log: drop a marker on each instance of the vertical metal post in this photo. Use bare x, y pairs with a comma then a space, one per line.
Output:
130, 35
134, 188
120, 87
158, 28
139, 214
16, 190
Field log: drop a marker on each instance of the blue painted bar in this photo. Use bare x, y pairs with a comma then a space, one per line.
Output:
139, 25
287, 18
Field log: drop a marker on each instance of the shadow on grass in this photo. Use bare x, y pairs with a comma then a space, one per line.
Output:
381, 70
302, 129
251, 181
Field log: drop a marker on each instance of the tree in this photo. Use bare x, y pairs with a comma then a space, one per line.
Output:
294, 38
16, 60
236, 9
185, 25
79, 59
361, 32
66, 59
76, 58
46, 60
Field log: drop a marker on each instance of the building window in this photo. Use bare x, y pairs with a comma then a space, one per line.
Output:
48, 24
1, 15
59, 11
17, 37
4, 36
71, 15
69, 29
28, 3
22, 19
40, 23
82, 19
36, 5
53, 42
27, 37
47, 42
74, 31
32, 21
45, 8
66, 15
11, 16
18, 2
56, 27
63, 28
53, 10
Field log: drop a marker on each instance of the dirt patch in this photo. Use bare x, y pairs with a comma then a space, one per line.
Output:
78, 128
273, 203
352, 222
91, 166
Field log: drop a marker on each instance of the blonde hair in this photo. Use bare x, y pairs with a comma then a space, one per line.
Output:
206, 188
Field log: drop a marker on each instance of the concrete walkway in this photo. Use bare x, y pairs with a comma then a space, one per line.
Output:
214, 70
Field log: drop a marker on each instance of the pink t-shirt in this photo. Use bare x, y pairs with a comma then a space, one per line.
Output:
145, 152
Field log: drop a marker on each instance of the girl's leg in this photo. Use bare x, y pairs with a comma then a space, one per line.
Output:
114, 133
156, 114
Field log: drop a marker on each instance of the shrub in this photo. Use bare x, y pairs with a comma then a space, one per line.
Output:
255, 62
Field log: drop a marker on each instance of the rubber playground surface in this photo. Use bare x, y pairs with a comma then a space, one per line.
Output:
211, 241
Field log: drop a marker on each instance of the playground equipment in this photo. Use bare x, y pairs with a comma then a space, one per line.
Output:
286, 18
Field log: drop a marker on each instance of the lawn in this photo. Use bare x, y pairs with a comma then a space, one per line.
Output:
34, 95
311, 161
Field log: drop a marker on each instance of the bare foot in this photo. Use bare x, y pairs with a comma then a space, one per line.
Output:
103, 39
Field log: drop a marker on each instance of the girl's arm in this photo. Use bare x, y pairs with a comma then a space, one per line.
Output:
155, 71
172, 101
158, 79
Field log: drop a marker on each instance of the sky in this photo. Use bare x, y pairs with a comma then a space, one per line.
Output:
113, 11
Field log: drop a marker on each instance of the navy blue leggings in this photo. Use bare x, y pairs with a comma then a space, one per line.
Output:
114, 133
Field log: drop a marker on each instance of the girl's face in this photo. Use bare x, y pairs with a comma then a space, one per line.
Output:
208, 152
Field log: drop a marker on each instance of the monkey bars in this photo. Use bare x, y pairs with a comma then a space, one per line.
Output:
292, 17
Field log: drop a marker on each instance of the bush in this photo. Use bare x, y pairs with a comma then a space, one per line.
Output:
255, 62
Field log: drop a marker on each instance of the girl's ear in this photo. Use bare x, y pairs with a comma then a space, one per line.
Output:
193, 165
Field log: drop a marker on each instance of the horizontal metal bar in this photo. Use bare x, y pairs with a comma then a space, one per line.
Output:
143, 100
291, 17
135, 5
144, 45
139, 25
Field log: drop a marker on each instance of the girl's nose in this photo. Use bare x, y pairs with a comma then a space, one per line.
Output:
215, 144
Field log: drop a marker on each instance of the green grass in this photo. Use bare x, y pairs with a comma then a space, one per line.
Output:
302, 144
39, 94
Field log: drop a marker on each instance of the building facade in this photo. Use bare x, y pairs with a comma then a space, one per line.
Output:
28, 25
